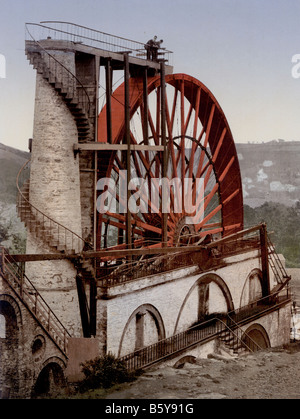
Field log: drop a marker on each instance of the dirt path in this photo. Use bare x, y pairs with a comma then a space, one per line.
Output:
269, 374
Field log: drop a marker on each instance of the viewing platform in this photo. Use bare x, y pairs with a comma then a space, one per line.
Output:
69, 36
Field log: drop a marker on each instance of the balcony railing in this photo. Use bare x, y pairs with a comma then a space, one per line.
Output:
71, 32
112, 274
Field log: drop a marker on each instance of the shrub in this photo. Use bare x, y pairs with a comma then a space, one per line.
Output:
104, 372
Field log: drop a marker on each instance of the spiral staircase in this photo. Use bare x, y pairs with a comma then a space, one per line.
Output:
57, 237
66, 84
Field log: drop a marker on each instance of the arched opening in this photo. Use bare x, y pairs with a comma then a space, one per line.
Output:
9, 347
253, 289
50, 381
38, 347
144, 327
256, 337
8, 320
208, 297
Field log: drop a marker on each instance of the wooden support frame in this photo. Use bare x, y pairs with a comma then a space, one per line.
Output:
264, 260
145, 106
164, 144
127, 252
83, 307
108, 76
127, 141
115, 147
93, 307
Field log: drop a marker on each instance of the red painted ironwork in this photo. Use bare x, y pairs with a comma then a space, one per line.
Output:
199, 143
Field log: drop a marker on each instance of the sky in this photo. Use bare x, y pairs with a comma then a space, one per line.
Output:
242, 50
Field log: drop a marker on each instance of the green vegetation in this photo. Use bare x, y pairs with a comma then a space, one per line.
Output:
104, 372
284, 224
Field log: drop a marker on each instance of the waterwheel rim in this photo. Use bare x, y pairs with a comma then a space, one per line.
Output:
200, 146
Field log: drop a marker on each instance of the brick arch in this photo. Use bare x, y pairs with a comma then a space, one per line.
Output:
257, 333
51, 375
207, 279
142, 309
56, 360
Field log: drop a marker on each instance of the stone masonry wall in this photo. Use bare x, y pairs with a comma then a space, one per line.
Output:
175, 297
20, 363
55, 190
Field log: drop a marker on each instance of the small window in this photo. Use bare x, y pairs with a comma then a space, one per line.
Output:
38, 347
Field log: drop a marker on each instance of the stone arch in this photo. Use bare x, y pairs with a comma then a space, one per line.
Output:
9, 345
257, 333
253, 287
10, 309
200, 301
144, 327
51, 378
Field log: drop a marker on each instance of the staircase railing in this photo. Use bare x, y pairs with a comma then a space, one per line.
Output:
64, 238
242, 339
276, 264
14, 274
165, 348
64, 75
212, 328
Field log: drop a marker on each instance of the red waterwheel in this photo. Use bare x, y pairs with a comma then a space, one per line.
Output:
199, 146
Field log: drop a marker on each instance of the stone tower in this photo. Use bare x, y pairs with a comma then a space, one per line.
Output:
58, 199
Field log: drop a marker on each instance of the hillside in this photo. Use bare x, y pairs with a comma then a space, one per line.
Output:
270, 172
11, 160
271, 188
12, 231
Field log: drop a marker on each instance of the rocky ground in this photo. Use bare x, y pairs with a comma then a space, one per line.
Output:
268, 374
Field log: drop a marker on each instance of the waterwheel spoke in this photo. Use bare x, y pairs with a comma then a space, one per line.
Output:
138, 223
199, 147
182, 143
208, 128
208, 198
172, 158
195, 127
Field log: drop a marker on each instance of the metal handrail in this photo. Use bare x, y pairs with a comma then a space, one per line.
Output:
30, 296
97, 39
238, 327
117, 42
277, 264
140, 269
61, 65
164, 348
44, 216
